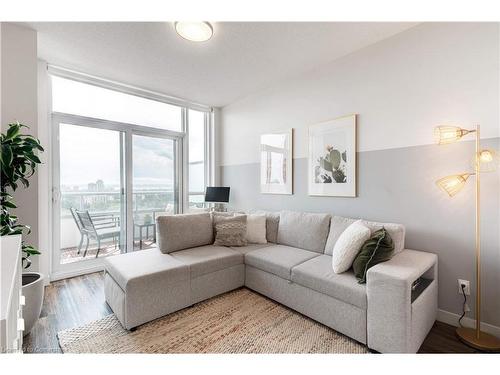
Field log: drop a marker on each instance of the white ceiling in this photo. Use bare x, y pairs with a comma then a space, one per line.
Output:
241, 57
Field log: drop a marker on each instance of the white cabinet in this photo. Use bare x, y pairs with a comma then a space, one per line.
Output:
11, 298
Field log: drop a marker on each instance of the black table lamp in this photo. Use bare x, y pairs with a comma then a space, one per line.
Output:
217, 195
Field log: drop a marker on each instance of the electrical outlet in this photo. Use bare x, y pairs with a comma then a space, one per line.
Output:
467, 287
466, 307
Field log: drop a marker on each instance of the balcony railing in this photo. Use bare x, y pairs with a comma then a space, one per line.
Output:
147, 205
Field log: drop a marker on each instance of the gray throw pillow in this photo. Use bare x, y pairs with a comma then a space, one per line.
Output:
230, 231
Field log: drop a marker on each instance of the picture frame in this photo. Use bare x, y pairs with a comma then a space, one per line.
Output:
276, 162
332, 164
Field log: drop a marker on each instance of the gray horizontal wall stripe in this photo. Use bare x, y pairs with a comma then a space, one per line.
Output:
398, 185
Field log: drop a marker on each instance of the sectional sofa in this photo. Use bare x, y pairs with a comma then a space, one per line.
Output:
389, 313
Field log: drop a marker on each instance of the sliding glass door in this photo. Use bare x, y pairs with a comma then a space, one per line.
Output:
155, 184
121, 156
111, 181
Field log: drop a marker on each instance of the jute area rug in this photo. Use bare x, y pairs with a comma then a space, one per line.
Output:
240, 321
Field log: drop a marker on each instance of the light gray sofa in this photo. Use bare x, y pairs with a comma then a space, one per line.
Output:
294, 268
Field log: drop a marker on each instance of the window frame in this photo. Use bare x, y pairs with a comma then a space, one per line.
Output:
185, 106
208, 146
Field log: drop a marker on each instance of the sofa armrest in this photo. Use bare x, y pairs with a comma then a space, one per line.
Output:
392, 325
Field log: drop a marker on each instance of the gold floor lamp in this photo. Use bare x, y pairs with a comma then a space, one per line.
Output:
484, 161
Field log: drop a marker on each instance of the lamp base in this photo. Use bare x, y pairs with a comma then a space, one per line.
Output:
484, 342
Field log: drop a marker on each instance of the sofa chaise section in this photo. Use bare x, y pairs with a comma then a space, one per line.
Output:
143, 286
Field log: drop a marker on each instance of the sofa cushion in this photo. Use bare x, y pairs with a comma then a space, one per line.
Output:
178, 232
154, 265
272, 224
278, 259
304, 230
250, 247
207, 259
337, 226
317, 274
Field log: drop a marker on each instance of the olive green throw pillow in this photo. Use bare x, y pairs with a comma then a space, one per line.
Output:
377, 249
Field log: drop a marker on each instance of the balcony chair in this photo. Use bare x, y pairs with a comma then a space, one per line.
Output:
99, 227
80, 228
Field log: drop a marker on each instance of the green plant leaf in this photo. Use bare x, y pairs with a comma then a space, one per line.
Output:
13, 131
33, 158
19, 160
26, 262
8, 204
6, 154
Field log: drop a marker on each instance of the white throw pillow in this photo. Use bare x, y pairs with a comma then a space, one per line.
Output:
256, 228
348, 246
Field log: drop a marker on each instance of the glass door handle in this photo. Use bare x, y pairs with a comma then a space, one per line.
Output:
55, 194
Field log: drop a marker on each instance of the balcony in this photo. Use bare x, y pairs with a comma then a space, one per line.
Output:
107, 210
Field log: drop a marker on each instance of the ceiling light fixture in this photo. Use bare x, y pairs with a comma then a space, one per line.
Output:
194, 31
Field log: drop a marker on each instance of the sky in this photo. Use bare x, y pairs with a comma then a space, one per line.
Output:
90, 154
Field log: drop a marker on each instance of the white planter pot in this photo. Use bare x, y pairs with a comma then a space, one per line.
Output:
33, 289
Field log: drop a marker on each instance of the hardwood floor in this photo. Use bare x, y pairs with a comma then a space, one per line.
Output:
79, 300
68, 303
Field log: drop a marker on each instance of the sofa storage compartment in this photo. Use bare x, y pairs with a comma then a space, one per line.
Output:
215, 283
317, 274
423, 313
115, 297
342, 317
395, 324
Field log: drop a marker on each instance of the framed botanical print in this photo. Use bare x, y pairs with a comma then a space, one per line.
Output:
332, 158
276, 175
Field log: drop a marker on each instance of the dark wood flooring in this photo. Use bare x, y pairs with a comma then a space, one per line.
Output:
79, 300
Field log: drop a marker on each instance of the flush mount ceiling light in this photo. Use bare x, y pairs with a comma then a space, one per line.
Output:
194, 31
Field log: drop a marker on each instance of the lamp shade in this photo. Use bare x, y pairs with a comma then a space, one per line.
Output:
453, 184
448, 134
488, 160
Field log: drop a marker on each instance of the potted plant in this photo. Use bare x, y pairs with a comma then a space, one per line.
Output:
19, 162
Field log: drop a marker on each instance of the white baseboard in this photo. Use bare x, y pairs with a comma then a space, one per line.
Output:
67, 274
452, 319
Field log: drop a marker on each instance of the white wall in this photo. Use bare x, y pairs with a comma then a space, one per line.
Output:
401, 88
19, 103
